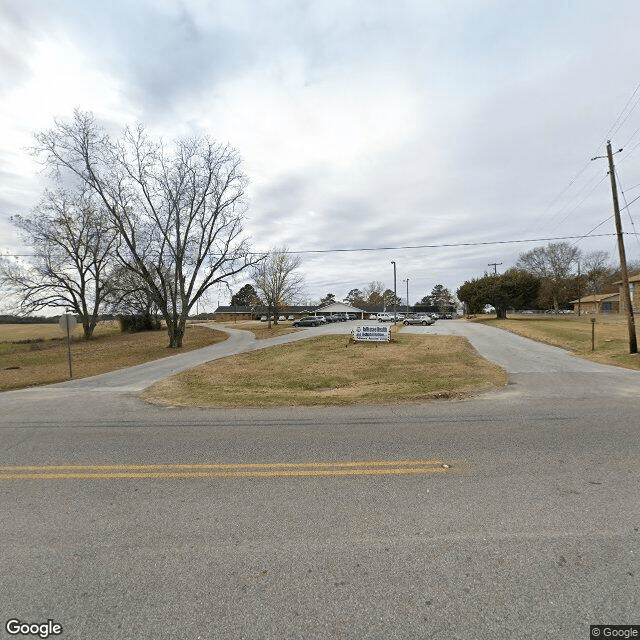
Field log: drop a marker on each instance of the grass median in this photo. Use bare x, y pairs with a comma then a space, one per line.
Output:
611, 340
332, 370
33, 355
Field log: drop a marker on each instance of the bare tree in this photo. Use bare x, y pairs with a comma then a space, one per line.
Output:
178, 211
373, 294
597, 271
554, 265
72, 241
277, 282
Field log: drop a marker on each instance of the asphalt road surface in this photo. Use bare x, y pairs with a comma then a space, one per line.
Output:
513, 514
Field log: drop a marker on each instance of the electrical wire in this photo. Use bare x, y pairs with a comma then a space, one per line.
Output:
443, 245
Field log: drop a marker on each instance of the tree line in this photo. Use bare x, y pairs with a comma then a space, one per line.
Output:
282, 266
546, 277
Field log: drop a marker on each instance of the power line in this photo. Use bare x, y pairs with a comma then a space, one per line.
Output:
443, 245
447, 245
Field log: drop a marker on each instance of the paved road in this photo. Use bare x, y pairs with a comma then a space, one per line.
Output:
532, 532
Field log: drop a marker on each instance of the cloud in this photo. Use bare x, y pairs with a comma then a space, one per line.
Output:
361, 125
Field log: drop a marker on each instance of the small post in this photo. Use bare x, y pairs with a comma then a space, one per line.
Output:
69, 349
68, 323
593, 334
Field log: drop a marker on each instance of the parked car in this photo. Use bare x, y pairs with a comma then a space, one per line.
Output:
291, 318
321, 319
424, 320
263, 318
337, 317
309, 321
384, 317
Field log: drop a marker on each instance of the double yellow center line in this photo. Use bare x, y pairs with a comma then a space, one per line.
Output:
253, 470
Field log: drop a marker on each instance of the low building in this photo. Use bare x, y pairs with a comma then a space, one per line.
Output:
597, 303
230, 313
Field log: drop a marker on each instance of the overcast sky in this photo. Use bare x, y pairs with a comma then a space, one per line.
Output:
361, 124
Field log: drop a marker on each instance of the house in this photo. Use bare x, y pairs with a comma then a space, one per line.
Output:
597, 303
634, 290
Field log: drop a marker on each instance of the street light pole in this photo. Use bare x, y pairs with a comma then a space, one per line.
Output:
393, 262
407, 281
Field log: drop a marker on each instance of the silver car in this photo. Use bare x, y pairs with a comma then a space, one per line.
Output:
424, 320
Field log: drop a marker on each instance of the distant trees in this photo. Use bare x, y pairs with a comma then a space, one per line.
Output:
513, 289
390, 298
177, 209
277, 282
440, 299
555, 266
356, 298
247, 296
373, 294
330, 298
73, 243
596, 272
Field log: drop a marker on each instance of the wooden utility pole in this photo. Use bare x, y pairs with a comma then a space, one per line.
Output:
495, 267
633, 344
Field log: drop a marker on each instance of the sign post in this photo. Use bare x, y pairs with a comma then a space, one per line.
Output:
68, 323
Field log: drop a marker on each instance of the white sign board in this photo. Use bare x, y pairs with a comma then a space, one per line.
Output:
375, 333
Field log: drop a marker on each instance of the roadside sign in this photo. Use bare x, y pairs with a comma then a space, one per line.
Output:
376, 333
67, 323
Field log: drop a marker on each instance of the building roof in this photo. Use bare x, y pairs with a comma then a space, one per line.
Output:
263, 309
340, 307
634, 278
598, 297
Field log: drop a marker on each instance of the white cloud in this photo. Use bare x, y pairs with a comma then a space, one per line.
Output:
361, 124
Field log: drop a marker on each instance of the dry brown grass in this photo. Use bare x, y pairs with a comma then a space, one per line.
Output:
574, 334
45, 362
331, 370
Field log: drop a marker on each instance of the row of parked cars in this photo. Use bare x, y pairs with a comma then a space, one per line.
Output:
314, 321
423, 319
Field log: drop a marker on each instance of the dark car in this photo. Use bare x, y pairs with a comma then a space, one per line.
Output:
306, 322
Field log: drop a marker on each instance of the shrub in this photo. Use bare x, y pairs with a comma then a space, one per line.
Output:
132, 323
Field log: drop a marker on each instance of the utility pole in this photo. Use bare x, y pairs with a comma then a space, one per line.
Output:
633, 343
579, 289
495, 267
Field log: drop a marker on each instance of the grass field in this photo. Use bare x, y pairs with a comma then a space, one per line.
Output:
574, 334
331, 370
36, 354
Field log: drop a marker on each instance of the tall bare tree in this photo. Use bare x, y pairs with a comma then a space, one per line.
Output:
277, 282
597, 271
73, 242
554, 265
178, 210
